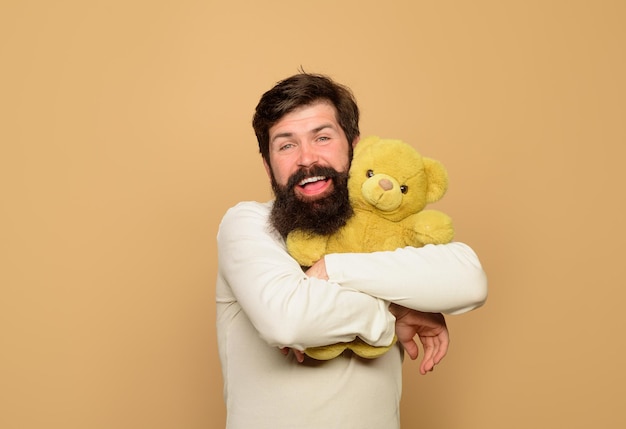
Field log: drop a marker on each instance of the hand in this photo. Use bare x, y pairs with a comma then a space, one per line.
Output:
431, 329
297, 353
318, 269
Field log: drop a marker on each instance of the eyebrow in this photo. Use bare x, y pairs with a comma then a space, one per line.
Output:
313, 131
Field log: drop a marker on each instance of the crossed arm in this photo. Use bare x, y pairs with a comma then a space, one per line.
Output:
430, 328
350, 294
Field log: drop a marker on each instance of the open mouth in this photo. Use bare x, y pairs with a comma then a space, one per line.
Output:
313, 186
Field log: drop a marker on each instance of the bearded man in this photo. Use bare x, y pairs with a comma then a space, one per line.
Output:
307, 126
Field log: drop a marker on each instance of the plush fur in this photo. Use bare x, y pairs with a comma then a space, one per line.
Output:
390, 184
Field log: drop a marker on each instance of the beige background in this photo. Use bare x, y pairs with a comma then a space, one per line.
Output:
125, 135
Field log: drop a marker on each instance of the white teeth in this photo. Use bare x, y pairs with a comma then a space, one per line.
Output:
311, 180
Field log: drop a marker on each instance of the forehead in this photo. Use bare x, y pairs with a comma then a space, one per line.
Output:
306, 118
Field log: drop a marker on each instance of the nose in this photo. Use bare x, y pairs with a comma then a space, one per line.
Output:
386, 184
308, 155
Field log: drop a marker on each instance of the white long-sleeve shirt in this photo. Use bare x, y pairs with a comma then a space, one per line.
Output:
265, 301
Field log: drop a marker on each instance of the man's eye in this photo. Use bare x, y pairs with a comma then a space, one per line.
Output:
323, 138
404, 189
286, 146
369, 173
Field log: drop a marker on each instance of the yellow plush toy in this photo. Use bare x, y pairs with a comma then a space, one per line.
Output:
390, 184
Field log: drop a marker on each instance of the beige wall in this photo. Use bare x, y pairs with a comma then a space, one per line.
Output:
124, 129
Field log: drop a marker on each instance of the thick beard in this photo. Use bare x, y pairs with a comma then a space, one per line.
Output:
322, 216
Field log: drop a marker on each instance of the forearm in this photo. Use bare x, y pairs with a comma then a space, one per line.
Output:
445, 278
287, 307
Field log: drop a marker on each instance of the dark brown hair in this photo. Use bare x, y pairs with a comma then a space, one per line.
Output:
301, 90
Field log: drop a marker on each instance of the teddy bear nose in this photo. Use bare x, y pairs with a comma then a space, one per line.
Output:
385, 184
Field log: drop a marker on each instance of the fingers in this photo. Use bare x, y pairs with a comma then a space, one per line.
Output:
410, 347
444, 341
430, 347
299, 355
435, 349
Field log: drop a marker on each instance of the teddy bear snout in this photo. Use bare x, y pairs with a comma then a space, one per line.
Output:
386, 184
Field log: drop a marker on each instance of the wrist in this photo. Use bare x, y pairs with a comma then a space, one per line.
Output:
397, 310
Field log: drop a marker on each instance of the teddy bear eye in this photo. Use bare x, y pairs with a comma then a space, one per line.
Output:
404, 189
369, 173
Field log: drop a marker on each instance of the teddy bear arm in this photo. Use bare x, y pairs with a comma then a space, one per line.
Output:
306, 248
358, 346
430, 227
326, 352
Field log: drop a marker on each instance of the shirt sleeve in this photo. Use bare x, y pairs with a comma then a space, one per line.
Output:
288, 308
445, 278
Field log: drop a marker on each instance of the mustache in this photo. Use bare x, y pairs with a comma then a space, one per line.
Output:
316, 170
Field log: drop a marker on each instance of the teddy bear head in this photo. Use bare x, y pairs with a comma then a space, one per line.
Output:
390, 178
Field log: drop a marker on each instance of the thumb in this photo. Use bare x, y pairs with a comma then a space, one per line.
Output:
410, 346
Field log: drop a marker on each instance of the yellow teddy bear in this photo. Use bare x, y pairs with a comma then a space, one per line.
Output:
390, 184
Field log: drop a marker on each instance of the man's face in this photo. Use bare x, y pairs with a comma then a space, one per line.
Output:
308, 137
309, 157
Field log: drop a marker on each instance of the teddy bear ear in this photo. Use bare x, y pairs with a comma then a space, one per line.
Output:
366, 142
437, 178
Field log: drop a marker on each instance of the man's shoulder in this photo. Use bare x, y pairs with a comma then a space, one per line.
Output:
249, 208
247, 217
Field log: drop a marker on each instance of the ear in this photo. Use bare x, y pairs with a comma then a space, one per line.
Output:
437, 178
268, 169
356, 140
